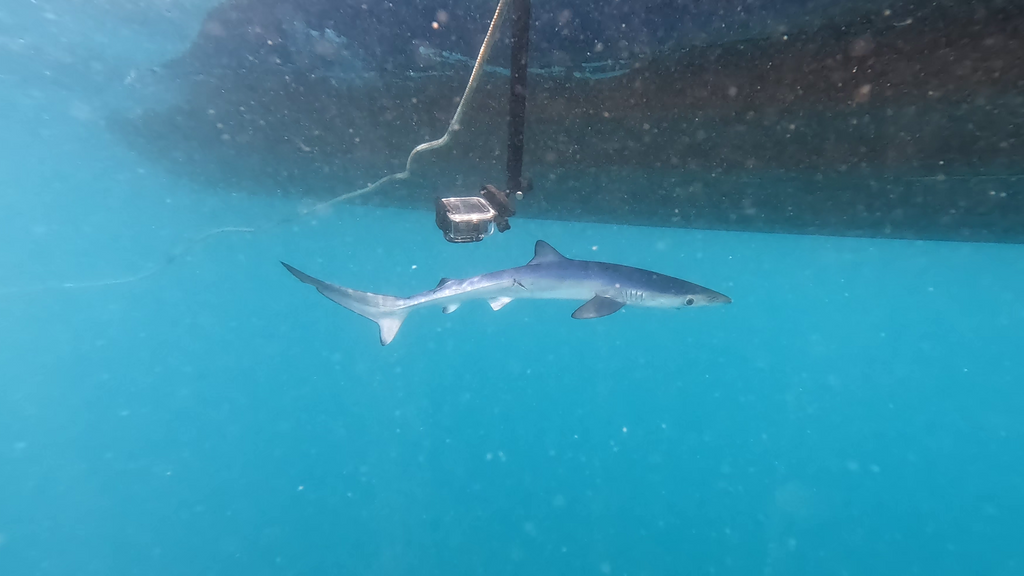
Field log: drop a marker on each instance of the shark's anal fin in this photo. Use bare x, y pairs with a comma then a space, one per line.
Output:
597, 307
448, 309
543, 253
499, 302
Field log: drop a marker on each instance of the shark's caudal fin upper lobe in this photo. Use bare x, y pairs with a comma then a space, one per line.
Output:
386, 311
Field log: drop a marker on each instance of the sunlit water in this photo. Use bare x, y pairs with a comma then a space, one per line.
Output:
857, 410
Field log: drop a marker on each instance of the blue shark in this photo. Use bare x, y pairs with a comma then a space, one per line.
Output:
604, 287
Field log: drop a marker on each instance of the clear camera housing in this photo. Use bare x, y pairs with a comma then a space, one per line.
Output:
469, 219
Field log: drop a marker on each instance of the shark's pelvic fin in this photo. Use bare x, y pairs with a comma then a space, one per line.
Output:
543, 252
499, 302
597, 307
451, 308
386, 311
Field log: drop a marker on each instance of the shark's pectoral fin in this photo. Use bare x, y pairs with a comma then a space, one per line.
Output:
451, 308
597, 307
499, 302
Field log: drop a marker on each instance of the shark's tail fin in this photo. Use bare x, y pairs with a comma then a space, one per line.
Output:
386, 311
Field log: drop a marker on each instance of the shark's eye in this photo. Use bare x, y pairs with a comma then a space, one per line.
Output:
689, 301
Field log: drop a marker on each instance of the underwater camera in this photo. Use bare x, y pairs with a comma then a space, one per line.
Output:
473, 218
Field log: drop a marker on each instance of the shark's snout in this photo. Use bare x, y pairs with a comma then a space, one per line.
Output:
718, 298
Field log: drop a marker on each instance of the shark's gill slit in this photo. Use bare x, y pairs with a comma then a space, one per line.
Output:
453, 126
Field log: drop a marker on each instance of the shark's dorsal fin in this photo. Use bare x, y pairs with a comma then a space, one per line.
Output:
544, 253
442, 282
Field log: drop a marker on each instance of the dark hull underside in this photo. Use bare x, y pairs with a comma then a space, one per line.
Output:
902, 125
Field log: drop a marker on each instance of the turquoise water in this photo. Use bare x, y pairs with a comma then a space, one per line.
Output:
857, 410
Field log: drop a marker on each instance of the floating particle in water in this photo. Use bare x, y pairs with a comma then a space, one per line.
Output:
863, 94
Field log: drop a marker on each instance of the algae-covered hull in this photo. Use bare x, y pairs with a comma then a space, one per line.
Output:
862, 120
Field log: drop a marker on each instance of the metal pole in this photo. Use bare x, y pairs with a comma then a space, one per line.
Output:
517, 93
